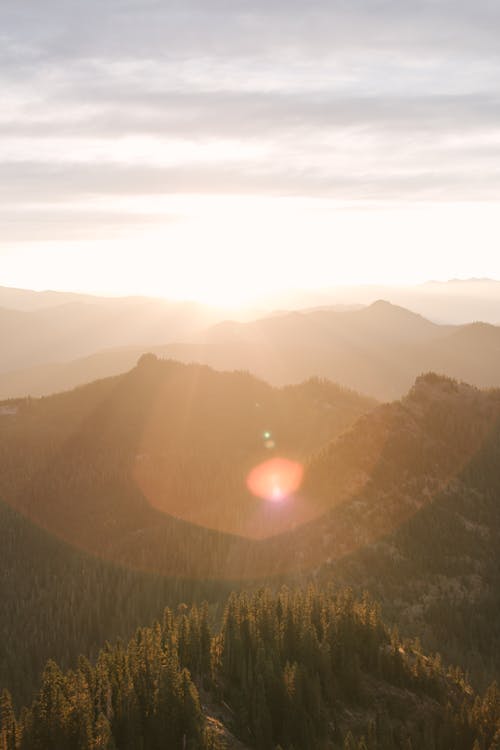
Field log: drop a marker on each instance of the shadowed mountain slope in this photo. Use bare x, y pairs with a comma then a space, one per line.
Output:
58, 602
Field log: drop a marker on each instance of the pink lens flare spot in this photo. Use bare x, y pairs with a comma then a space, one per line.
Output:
275, 480
277, 493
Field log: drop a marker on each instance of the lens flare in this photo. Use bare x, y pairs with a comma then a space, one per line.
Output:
275, 480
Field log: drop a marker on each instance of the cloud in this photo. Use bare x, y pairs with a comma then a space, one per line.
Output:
38, 182
20, 225
206, 28
387, 99
230, 114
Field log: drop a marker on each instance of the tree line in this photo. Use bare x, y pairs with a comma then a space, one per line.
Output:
294, 670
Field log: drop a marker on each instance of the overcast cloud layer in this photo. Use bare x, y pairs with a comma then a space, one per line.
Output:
346, 99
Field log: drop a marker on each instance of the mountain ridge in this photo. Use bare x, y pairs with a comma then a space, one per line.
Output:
407, 488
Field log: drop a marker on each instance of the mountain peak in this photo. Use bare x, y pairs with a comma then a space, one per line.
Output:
437, 381
394, 317
384, 306
431, 387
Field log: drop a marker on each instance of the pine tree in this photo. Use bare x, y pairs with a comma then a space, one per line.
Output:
103, 736
8, 725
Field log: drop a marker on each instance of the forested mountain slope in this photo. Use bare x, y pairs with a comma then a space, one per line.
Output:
438, 574
57, 602
416, 519
98, 464
403, 502
309, 670
393, 463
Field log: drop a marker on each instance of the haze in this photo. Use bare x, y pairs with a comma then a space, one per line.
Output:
229, 152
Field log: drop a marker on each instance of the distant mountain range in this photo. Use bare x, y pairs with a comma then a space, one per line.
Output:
378, 350
456, 302
37, 328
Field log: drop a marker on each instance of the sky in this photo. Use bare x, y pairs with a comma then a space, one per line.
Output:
224, 150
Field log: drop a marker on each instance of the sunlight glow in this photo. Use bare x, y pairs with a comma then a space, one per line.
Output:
240, 250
